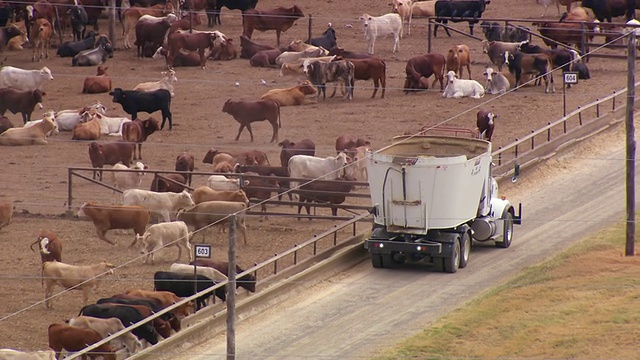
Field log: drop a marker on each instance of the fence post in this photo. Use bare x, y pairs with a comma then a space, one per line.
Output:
310, 27
429, 35
69, 187
231, 291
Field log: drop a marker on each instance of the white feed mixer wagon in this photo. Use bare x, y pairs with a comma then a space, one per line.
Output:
432, 196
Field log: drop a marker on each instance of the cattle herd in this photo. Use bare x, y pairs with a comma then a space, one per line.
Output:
172, 213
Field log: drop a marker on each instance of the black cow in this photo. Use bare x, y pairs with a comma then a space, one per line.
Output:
217, 5
582, 69
455, 11
493, 31
79, 20
183, 286
607, 9
95, 56
327, 40
560, 58
72, 48
133, 102
144, 302
247, 281
7, 33
127, 315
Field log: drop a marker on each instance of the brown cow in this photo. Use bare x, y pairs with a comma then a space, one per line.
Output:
457, 58
193, 42
40, 38
41, 9
420, 68
185, 162
131, 16
246, 112
5, 124
72, 338
49, 245
150, 32
108, 217
290, 148
338, 196
224, 51
345, 54
110, 153
165, 298
345, 142
6, 214
97, 84
485, 122
137, 131
249, 157
205, 193
160, 184
89, 130
569, 33
20, 101
279, 19
8, 33
249, 48
265, 58
366, 69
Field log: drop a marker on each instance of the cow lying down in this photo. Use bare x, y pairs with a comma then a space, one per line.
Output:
34, 135
457, 88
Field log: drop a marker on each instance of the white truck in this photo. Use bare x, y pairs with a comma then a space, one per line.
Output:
432, 196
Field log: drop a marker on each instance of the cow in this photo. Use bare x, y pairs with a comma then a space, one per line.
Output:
346, 142
329, 168
49, 246
16, 43
185, 285
89, 130
291, 56
207, 213
205, 193
457, 88
24, 79
72, 48
108, 125
485, 122
79, 21
175, 183
248, 157
40, 38
346, 54
247, 282
34, 135
607, 9
162, 324
137, 132
160, 204
109, 217
127, 315
193, 42
381, 26
100, 83
265, 58
96, 56
537, 64
208, 272
5, 124
130, 17
420, 68
10, 354
106, 327
327, 40
245, 112
109, 154
144, 101
496, 82
455, 11
151, 32
404, 8
71, 338
295, 95
20, 101
568, 33
126, 180
189, 58
289, 149
162, 235
73, 277
457, 58
496, 49
254, 189
167, 81
165, 299
332, 192
8, 33
580, 67
493, 31
6, 214
560, 58
367, 69
249, 48
185, 162
298, 67
422, 9
242, 5
279, 19
321, 73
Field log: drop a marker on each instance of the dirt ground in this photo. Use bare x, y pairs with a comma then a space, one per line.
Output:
35, 178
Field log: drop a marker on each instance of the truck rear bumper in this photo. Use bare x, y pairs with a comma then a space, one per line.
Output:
382, 246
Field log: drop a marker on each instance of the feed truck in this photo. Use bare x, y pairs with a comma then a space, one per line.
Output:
432, 196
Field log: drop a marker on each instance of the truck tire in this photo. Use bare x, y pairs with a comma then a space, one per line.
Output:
376, 261
507, 231
465, 249
388, 261
452, 263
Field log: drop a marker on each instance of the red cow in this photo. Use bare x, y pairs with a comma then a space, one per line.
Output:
110, 154
97, 84
289, 149
185, 162
137, 131
279, 19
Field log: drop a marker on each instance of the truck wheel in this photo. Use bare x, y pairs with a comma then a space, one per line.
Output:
465, 249
507, 231
387, 261
376, 261
452, 263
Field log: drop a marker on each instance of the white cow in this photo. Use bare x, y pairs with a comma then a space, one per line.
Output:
167, 81
106, 327
221, 183
358, 165
388, 24
68, 119
24, 79
10, 354
329, 168
457, 88
404, 8
291, 56
126, 180
209, 272
163, 235
85, 278
160, 204
50, 115
111, 126
496, 82
297, 67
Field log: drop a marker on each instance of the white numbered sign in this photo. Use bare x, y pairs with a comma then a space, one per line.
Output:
570, 77
203, 251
